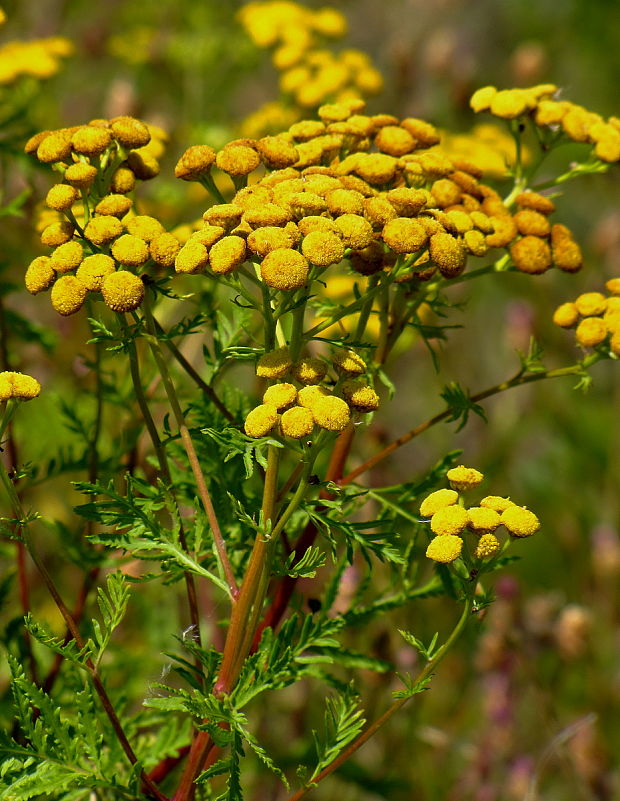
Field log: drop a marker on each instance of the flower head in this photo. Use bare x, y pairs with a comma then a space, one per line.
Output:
94, 269
331, 413
227, 254
285, 269
437, 500
297, 422
519, 521
68, 295
445, 549
274, 364
450, 519
19, 386
40, 275
130, 250
261, 420
488, 545
464, 478
280, 395
310, 370
122, 291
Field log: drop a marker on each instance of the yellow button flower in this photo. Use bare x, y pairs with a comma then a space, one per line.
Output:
274, 364
323, 248
237, 160
261, 420
280, 395
80, 175
191, 258
448, 253
101, 230
497, 503
348, 361
330, 413
67, 257
310, 370
270, 237
531, 255
164, 249
591, 332
360, 396
519, 521
591, 303
437, 500
40, 275
565, 252
94, 269
297, 422
463, 478
68, 295
445, 549
61, 197
227, 254
130, 250
90, 140
488, 545
57, 234
195, 162
566, 315
122, 291
18, 385
130, 132
144, 227
404, 235
449, 520
481, 518
285, 269
114, 205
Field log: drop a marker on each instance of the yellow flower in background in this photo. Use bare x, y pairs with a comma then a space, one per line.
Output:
19, 386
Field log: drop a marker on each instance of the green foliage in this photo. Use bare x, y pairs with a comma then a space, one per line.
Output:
343, 722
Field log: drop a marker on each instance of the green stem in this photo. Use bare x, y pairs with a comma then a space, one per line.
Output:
18, 511
517, 380
395, 707
186, 439
189, 369
162, 459
364, 315
297, 331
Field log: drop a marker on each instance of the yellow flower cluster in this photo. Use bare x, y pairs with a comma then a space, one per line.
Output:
539, 103
595, 317
369, 189
297, 409
100, 242
39, 58
310, 74
450, 520
19, 386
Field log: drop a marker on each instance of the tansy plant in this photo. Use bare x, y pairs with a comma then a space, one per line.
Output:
225, 480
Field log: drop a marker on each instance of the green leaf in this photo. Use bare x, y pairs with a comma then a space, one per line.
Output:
427, 651
343, 722
460, 404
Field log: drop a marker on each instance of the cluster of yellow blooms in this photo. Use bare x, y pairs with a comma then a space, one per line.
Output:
309, 73
96, 239
449, 519
297, 407
600, 323
18, 386
39, 58
539, 103
374, 189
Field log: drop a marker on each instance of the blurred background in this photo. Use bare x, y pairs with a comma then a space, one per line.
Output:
527, 708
